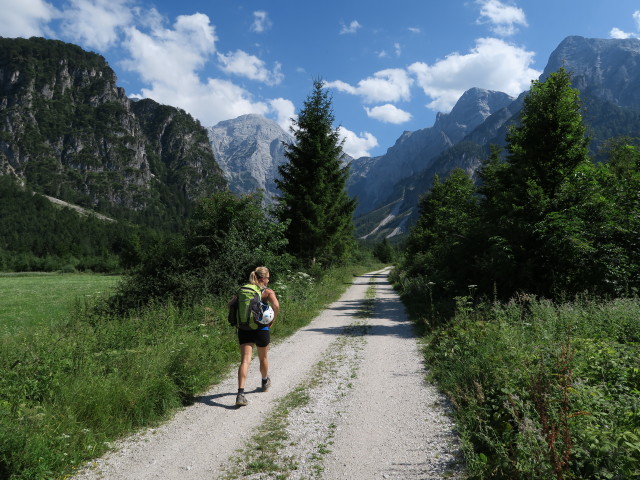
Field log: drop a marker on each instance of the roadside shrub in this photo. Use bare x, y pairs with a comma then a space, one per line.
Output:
226, 239
543, 390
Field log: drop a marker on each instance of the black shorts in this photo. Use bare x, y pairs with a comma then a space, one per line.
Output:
261, 338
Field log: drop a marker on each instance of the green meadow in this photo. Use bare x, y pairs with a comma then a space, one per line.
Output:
32, 300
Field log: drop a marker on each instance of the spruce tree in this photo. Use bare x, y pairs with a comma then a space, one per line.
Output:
313, 202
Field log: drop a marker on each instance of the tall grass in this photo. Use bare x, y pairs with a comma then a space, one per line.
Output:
68, 390
542, 390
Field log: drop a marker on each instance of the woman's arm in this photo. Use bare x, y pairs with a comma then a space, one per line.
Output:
269, 296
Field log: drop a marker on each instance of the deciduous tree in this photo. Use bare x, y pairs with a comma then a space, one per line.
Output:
439, 244
521, 197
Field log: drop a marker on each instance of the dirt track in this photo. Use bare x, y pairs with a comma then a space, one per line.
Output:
369, 413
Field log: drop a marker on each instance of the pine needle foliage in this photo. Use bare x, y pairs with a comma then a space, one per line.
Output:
313, 203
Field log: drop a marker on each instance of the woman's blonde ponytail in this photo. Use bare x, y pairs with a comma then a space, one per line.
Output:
257, 274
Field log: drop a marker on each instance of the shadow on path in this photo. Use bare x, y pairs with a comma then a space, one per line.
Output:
211, 399
391, 309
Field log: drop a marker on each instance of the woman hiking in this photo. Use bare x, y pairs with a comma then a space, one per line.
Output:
257, 334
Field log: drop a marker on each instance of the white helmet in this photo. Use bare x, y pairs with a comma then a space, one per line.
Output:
267, 315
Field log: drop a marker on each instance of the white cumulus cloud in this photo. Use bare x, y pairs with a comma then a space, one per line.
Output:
284, 111
492, 64
96, 23
249, 66
621, 34
390, 85
261, 21
388, 113
25, 18
357, 146
210, 102
168, 60
503, 18
169, 55
353, 27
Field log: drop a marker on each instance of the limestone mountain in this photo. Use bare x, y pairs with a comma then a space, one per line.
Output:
607, 74
413, 152
68, 131
249, 149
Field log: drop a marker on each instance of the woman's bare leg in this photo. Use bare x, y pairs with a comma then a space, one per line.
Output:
264, 361
246, 351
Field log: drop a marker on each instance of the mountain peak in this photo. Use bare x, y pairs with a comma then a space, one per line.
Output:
249, 125
247, 118
472, 108
608, 68
249, 149
476, 104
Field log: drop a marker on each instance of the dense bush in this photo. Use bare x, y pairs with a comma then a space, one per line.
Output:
226, 239
543, 390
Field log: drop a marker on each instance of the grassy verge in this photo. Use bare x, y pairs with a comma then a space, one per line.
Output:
366, 311
34, 300
68, 390
541, 390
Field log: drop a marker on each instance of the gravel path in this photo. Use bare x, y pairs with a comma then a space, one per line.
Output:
348, 400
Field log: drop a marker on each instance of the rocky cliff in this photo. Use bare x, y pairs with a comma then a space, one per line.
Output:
68, 131
415, 151
249, 149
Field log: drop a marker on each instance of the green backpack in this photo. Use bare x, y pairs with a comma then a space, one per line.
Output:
248, 309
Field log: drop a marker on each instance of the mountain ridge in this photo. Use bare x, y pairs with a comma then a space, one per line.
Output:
612, 109
413, 151
71, 133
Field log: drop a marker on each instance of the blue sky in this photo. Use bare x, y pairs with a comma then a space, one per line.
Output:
390, 64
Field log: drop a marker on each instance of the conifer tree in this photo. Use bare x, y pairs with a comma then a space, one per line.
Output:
313, 201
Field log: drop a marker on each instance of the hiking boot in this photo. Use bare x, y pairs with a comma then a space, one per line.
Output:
266, 384
241, 400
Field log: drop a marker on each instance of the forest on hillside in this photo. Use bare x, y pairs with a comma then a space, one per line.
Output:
37, 235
